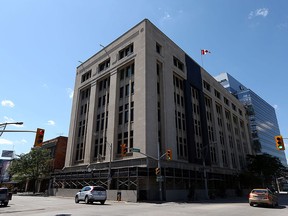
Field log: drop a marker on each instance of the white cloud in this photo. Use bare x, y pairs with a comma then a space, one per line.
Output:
70, 92
258, 12
166, 16
5, 142
22, 141
51, 122
251, 15
9, 142
7, 119
282, 26
7, 103
262, 12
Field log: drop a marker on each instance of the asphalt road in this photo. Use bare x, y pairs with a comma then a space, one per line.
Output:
63, 206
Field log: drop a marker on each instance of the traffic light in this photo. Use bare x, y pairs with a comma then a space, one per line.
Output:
169, 154
279, 142
157, 171
39, 137
123, 150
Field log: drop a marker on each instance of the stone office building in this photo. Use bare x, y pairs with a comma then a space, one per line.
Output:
143, 91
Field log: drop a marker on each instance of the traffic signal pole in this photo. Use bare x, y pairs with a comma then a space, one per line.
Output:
1, 131
160, 174
158, 159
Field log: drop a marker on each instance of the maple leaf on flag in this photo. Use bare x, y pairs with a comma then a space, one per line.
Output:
204, 51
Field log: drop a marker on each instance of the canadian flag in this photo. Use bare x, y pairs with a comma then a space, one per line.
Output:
204, 52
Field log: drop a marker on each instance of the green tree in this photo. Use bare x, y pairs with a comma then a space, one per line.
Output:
263, 170
31, 166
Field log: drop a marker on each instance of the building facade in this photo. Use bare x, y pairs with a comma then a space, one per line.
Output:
262, 116
57, 148
143, 91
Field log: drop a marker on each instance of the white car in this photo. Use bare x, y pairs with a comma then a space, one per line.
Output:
90, 194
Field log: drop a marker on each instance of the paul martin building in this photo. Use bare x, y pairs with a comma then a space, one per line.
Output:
143, 91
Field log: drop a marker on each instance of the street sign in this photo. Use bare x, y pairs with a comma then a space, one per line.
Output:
135, 150
160, 179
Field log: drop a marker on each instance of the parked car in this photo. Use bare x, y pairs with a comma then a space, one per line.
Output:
5, 196
90, 194
263, 197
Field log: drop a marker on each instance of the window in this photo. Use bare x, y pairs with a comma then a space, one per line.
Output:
206, 85
217, 93
158, 48
126, 112
213, 154
104, 65
226, 101
195, 94
127, 90
178, 63
126, 51
98, 122
240, 112
129, 70
104, 100
85, 76
121, 74
132, 87
120, 120
132, 111
121, 91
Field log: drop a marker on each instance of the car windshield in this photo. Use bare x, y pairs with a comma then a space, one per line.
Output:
259, 191
3, 190
99, 189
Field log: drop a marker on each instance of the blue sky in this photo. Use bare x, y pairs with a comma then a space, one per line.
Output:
42, 42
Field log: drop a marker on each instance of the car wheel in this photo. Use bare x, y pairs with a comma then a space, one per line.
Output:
76, 199
5, 203
102, 202
87, 200
251, 204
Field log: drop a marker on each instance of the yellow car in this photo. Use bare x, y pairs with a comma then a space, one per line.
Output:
263, 197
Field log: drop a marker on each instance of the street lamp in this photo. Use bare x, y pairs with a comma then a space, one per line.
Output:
3, 126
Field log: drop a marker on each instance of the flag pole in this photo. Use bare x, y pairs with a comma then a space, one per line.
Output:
201, 58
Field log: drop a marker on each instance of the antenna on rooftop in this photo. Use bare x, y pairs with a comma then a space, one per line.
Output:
104, 49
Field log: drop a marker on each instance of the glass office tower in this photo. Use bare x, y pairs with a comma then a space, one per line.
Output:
262, 116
